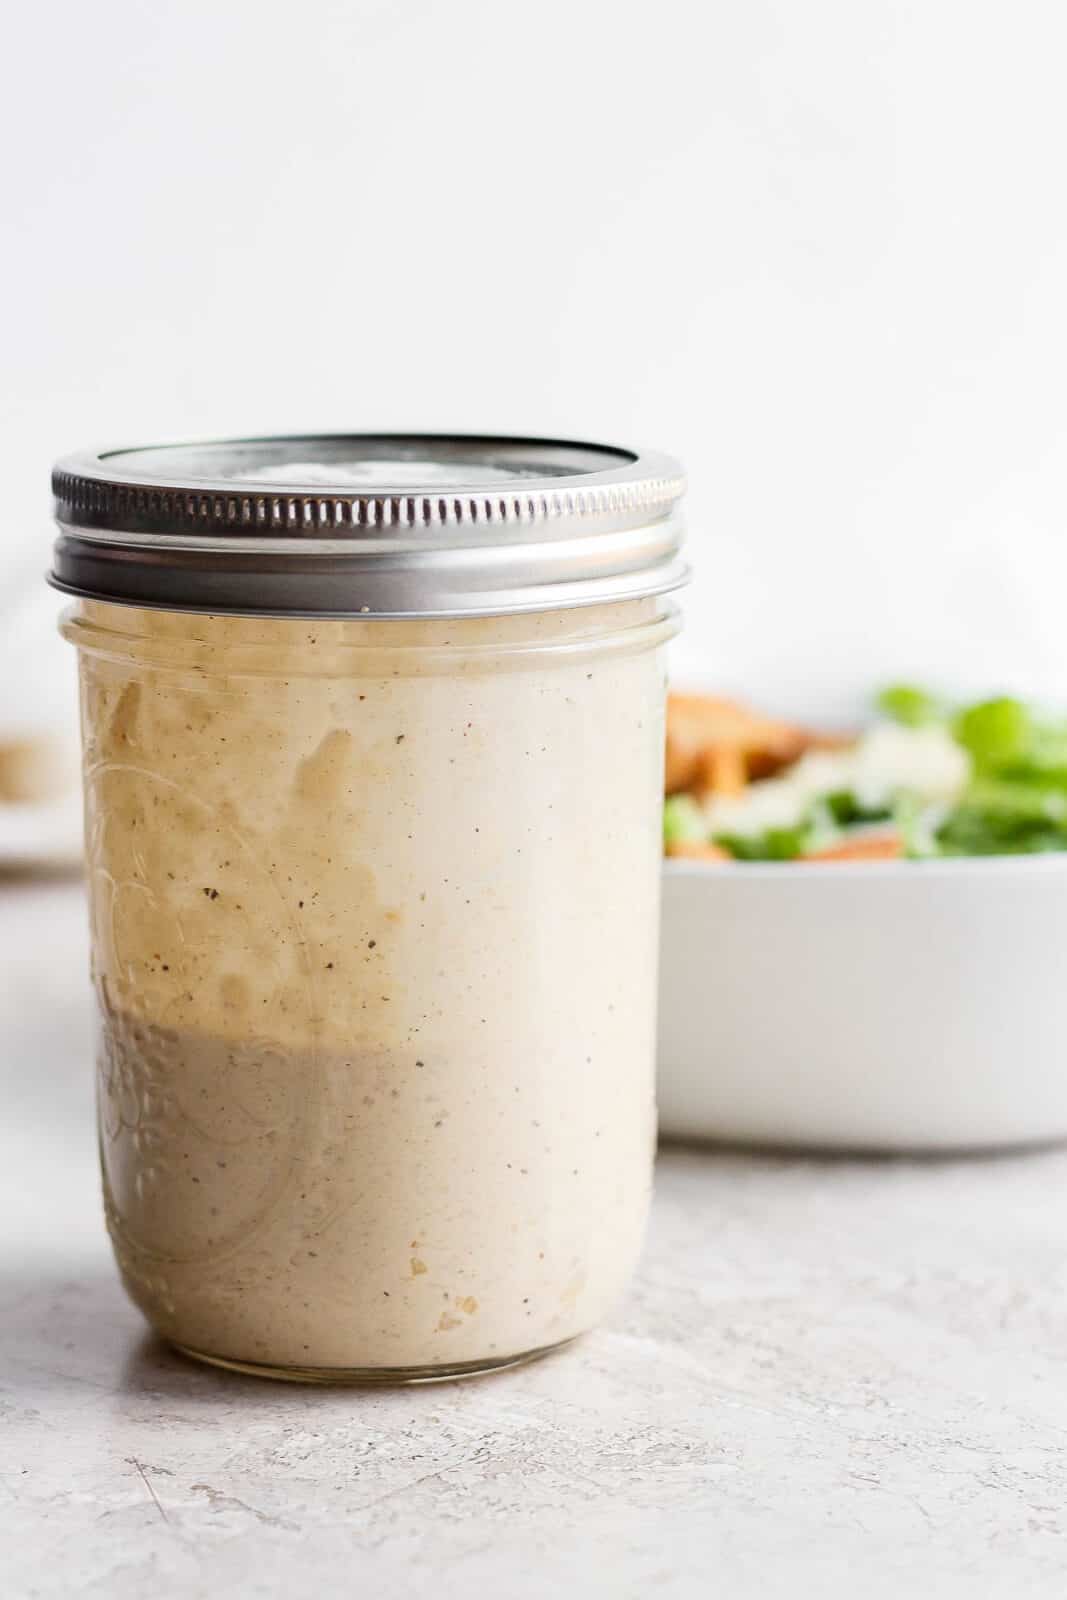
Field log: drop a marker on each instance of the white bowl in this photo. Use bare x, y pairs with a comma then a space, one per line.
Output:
865, 1006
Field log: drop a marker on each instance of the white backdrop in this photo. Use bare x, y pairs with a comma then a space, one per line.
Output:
817, 249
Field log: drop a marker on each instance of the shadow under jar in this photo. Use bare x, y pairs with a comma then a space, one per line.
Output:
373, 734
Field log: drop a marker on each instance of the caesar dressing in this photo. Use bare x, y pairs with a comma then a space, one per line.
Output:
375, 925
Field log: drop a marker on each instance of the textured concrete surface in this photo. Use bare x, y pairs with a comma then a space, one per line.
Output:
832, 1378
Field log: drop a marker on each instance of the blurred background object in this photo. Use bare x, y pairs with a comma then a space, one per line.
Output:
40, 786
816, 250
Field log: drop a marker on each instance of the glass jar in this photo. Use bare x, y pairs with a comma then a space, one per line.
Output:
374, 896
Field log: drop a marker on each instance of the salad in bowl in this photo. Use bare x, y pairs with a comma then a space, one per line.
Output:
926, 779
915, 1002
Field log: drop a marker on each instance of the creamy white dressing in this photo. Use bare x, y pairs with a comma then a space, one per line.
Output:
377, 995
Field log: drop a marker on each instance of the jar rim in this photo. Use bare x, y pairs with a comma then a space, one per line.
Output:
364, 647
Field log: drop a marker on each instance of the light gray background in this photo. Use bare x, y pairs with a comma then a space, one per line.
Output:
817, 249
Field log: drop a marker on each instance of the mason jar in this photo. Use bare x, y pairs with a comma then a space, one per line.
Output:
373, 733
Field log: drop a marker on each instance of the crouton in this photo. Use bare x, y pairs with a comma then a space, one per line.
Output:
864, 847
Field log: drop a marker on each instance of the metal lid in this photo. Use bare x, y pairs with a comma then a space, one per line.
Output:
386, 525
